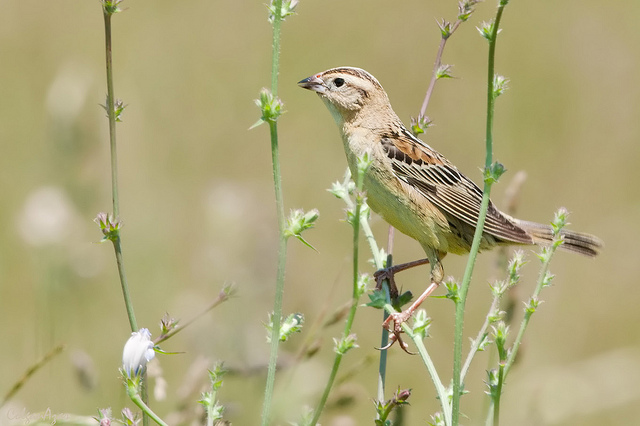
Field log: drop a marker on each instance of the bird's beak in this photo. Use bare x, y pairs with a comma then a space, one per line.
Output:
314, 83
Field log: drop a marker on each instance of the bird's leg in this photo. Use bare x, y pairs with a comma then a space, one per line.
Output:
389, 273
397, 318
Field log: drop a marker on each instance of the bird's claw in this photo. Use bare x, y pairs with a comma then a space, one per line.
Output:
396, 318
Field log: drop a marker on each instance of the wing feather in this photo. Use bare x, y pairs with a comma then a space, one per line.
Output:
432, 175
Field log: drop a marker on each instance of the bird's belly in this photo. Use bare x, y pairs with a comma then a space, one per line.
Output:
406, 210
399, 204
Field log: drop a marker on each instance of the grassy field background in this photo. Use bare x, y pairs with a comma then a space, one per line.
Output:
198, 207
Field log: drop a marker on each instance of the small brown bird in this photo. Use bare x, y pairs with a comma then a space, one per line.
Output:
415, 188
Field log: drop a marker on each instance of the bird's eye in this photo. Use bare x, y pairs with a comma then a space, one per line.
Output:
339, 82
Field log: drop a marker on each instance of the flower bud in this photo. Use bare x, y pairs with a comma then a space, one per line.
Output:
137, 352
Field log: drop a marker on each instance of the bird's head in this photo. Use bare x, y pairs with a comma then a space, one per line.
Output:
349, 93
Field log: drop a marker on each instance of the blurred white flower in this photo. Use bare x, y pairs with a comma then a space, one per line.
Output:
137, 352
85, 369
68, 92
154, 371
47, 216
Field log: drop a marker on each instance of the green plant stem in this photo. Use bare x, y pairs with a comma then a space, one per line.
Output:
327, 389
282, 241
377, 259
114, 169
222, 297
505, 365
30, 372
482, 334
431, 368
137, 399
280, 273
275, 56
460, 305
337, 360
356, 250
357, 219
111, 115
124, 285
527, 316
436, 67
368, 233
373, 245
110, 107
384, 335
496, 401
210, 407
384, 338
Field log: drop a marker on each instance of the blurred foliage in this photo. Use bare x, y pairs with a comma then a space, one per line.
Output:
198, 210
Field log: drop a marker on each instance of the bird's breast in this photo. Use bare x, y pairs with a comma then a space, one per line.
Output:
398, 203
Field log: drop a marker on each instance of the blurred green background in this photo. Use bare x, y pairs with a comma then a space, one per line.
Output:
198, 207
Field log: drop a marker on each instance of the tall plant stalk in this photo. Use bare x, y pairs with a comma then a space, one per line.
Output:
112, 226
276, 11
109, 8
491, 174
357, 218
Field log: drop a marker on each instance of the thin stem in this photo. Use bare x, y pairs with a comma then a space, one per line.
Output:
431, 368
460, 305
124, 285
496, 401
384, 337
336, 361
275, 55
356, 244
144, 395
436, 67
136, 398
482, 334
528, 313
368, 233
111, 114
377, 258
440, 389
327, 389
282, 242
373, 245
459, 321
30, 372
280, 273
110, 106
491, 99
357, 219
223, 296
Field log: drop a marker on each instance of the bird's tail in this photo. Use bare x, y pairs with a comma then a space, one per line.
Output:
578, 242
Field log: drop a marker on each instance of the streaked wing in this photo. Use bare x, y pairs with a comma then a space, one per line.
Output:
421, 167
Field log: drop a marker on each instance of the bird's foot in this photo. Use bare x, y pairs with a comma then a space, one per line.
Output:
394, 321
393, 324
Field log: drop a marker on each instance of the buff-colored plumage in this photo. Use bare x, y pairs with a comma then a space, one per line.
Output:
412, 186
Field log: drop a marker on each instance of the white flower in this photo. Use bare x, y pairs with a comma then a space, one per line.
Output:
69, 92
137, 352
47, 217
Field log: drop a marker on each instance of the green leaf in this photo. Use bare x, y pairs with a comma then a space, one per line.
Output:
377, 299
402, 300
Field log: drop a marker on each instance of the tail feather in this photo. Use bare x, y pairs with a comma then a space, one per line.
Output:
578, 242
